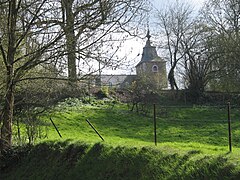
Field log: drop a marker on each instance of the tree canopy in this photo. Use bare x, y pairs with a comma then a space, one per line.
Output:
50, 39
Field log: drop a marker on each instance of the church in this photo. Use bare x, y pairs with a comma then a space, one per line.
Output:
151, 69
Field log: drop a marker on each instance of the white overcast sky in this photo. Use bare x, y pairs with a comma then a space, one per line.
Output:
162, 3
137, 45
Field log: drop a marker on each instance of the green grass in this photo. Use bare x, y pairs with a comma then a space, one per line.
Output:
179, 129
197, 126
66, 160
192, 143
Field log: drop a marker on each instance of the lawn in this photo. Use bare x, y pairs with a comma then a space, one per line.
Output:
203, 128
192, 143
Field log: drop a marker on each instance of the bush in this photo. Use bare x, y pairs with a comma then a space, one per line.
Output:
63, 160
102, 93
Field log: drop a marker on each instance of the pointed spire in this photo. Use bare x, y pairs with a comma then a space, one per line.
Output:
148, 34
149, 51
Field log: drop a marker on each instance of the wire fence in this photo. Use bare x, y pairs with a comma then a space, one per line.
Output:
205, 117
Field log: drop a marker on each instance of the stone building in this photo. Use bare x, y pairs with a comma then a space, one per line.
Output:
152, 69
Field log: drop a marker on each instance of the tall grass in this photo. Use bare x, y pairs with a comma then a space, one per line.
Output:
192, 144
64, 160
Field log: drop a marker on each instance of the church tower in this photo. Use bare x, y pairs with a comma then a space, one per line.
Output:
152, 69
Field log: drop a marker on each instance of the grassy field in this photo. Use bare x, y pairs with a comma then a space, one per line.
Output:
192, 143
204, 128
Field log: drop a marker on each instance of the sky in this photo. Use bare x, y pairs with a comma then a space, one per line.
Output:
136, 45
162, 3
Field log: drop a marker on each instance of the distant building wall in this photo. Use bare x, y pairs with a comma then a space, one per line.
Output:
119, 81
154, 72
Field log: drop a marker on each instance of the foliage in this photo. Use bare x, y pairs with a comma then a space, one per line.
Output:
67, 160
56, 35
142, 92
202, 49
192, 143
33, 99
222, 17
102, 93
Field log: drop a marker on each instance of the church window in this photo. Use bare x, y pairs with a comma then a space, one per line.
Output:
154, 68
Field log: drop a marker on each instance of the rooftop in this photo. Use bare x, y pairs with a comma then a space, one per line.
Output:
149, 51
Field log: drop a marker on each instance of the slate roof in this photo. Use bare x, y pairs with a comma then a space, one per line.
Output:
149, 51
117, 80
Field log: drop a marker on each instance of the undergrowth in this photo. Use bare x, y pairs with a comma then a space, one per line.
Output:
78, 160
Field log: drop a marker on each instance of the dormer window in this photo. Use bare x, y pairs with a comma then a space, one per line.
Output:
154, 68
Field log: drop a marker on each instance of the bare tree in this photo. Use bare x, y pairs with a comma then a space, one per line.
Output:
77, 17
17, 58
38, 33
93, 31
198, 61
223, 17
174, 22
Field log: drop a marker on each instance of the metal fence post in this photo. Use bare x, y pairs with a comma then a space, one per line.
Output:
55, 128
155, 124
94, 129
229, 128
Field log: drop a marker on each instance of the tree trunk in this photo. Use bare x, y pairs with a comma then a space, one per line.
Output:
171, 79
196, 88
68, 18
7, 117
7, 113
